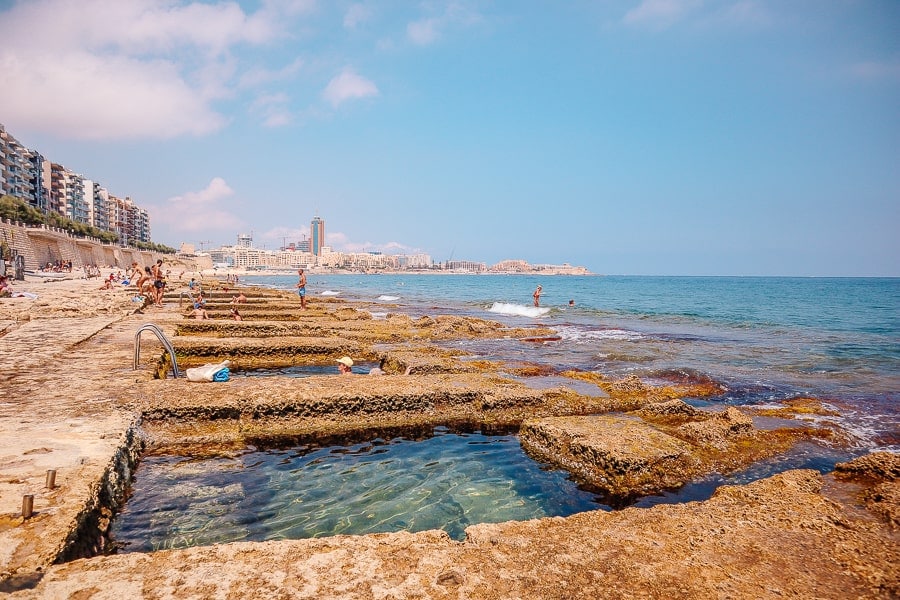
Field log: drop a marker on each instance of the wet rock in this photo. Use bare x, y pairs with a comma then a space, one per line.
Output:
878, 466
424, 322
717, 430
678, 409
620, 455
631, 385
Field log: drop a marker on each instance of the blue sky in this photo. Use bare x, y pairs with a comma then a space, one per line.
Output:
668, 137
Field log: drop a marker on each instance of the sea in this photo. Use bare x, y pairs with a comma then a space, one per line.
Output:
764, 339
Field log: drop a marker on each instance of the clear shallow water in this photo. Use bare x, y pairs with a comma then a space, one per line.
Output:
442, 481
765, 338
359, 368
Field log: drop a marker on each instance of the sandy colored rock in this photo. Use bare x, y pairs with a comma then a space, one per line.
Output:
770, 539
72, 402
621, 455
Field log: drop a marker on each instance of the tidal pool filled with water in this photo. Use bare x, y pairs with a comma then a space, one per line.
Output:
438, 480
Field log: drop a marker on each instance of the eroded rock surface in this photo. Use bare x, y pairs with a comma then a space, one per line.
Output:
74, 404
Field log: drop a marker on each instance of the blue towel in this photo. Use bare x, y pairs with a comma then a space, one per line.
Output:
221, 375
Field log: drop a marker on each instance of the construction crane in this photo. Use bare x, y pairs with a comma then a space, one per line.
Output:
204, 243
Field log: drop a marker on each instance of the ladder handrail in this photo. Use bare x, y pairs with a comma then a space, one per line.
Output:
162, 338
181, 296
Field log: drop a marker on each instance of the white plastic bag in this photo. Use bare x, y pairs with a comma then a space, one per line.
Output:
206, 372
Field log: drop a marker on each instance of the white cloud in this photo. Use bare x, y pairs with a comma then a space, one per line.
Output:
260, 76
347, 86
428, 30
342, 243
96, 69
273, 108
660, 13
356, 14
194, 212
81, 96
423, 32
282, 236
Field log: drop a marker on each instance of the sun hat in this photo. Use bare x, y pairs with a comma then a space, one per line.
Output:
346, 361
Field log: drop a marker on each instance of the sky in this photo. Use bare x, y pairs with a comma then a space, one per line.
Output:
637, 137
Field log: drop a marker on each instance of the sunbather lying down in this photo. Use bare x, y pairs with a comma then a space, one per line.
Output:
6, 290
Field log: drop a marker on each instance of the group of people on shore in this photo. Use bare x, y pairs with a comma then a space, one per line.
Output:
150, 282
199, 311
59, 266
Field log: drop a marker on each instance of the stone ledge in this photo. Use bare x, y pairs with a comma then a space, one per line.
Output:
620, 455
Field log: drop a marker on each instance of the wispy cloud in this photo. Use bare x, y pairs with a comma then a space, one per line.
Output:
430, 29
194, 212
356, 14
273, 109
128, 69
660, 13
423, 32
342, 243
260, 76
348, 86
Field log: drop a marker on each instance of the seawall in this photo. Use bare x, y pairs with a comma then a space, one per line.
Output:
41, 245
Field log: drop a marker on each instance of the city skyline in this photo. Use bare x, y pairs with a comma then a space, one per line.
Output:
684, 137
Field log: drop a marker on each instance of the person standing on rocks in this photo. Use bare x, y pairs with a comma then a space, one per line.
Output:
301, 288
159, 282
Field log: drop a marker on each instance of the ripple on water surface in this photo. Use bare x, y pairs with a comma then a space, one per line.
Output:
447, 481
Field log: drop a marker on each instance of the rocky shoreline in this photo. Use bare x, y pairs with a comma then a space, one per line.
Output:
73, 403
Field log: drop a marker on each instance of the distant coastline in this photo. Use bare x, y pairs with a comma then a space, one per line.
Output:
244, 272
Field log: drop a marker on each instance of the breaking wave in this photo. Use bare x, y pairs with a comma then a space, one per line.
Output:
519, 310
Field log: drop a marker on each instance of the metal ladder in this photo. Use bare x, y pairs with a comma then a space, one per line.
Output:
162, 338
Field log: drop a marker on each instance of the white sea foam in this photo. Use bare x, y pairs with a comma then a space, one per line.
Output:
519, 310
388, 298
578, 334
330, 293
379, 315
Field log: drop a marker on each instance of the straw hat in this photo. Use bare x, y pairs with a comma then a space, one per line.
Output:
346, 361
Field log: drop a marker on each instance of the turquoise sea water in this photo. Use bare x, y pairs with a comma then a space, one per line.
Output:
430, 479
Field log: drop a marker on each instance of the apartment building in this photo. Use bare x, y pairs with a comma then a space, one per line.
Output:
50, 187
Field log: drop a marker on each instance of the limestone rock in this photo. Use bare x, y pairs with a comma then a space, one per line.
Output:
621, 455
719, 429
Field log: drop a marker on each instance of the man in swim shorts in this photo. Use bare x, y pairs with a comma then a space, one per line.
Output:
301, 288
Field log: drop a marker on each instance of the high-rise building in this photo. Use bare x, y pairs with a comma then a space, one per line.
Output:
316, 235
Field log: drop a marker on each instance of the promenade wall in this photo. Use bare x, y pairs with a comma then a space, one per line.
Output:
41, 245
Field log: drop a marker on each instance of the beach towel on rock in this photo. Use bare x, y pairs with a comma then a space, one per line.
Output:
208, 372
